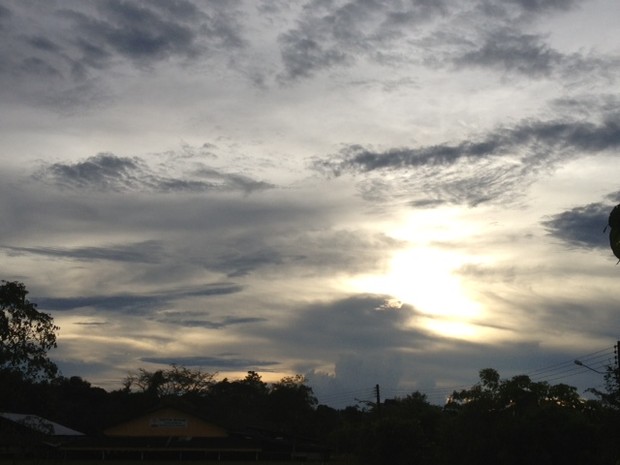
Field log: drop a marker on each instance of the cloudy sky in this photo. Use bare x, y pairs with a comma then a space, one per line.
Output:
364, 192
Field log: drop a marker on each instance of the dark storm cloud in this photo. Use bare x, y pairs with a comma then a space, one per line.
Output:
147, 31
108, 172
104, 171
79, 40
534, 140
331, 35
133, 303
140, 252
326, 36
494, 166
358, 323
223, 362
582, 226
512, 51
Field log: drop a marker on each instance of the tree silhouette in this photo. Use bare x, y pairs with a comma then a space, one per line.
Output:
517, 420
26, 335
172, 382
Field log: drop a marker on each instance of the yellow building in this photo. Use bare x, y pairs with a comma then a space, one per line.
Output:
165, 433
167, 422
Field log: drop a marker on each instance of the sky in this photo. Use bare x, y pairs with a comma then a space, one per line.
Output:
363, 192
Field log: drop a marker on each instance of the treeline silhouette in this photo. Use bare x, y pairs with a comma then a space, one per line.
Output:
496, 421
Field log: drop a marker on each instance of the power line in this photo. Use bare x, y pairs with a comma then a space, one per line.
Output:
600, 360
353, 395
585, 358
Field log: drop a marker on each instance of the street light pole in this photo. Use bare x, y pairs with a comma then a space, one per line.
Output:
581, 364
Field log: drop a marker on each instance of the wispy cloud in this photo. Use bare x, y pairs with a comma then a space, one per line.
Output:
531, 141
108, 172
144, 303
141, 252
196, 319
481, 169
223, 362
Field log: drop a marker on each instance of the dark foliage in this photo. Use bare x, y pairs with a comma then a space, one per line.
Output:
499, 422
26, 335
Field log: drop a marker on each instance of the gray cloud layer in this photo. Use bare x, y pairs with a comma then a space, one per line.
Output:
583, 226
134, 304
108, 172
94, 34
93, 37
210, 363
532, 141
142, 252
483, 169
232, 254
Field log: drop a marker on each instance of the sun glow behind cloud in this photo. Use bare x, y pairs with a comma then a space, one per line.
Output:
425, 276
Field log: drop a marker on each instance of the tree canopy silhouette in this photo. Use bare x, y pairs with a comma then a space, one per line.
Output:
26, 335
614, 230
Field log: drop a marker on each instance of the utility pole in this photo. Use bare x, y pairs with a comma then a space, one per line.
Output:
616, 360
378, 394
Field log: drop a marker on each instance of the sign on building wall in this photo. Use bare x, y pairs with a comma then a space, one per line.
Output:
168, 422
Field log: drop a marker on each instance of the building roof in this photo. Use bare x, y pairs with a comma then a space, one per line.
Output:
40, 424
167, 421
